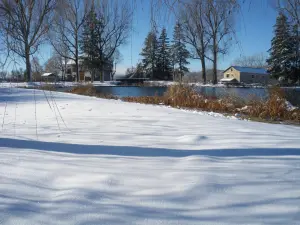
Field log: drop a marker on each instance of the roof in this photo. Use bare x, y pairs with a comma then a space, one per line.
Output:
228, 80
47, 74
249, 70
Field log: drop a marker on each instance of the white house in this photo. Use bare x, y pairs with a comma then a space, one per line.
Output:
84, 73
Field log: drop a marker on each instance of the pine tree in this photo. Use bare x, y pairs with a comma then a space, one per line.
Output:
89, 40
149, 54
179, 52
295, 74
164, 58
282, 49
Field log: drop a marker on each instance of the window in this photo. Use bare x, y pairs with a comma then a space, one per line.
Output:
227, 75
253, 76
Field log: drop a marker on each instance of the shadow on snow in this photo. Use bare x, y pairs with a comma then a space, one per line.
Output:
142, 151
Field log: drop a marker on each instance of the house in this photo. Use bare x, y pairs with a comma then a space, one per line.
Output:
49, 77
85, 74
246, 75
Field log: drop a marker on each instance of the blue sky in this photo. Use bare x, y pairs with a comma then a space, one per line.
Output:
254, 31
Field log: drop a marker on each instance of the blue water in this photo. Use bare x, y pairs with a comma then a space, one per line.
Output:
292, 94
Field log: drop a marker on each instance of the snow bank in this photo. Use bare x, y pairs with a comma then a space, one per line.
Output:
72, 159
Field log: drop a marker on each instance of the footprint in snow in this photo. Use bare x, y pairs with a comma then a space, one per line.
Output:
90, 109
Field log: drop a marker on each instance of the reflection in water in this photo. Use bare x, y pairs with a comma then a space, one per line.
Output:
292, 94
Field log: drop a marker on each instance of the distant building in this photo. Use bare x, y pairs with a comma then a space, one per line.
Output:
50, 77
84, 73
246, 75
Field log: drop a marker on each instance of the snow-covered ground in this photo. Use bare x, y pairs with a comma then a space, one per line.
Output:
72, 159
58, 84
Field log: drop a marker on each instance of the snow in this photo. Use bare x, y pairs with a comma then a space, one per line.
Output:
250, 70
58, 84
47, 74
112, 162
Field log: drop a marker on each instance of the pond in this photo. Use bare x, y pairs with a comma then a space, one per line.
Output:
292, 94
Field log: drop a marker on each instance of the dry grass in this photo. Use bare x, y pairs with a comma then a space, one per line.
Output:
90, 90
183, 96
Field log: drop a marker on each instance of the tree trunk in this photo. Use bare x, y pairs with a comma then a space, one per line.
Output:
203, 69
101, 73
215, 58
93, 75
28, 65
77, 70
76, 58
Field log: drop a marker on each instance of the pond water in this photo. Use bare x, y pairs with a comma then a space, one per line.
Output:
292, 94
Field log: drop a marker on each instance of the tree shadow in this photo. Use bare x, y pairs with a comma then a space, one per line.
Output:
142, 151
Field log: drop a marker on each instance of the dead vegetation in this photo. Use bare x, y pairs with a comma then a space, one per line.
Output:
274, 108
90, 90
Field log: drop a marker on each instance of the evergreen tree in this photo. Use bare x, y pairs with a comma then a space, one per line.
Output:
295, 74
179, 52
149, 54
282, 49
89, 40
164, 58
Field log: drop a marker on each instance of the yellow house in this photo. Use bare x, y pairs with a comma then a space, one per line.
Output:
246, 75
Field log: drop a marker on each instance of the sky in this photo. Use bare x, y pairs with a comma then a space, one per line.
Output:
254, 31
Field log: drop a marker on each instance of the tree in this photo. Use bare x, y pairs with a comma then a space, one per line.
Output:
89, 40
17, 74
163, 58
150, 54
194, 30
254, 61
281, 52
109, 28
66, 29
117, 58
291, 8
219, 19
25, 24
179, 52
3, 75
56, 64
37, 69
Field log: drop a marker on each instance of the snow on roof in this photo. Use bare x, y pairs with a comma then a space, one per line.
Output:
250, 70
228, 79
47, 74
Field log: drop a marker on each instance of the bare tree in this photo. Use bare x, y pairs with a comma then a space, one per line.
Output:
25, 23
37, 69
219, 19
254, 61
291, 8
56, 64
66, 29
194, 28
3, 75
117, 58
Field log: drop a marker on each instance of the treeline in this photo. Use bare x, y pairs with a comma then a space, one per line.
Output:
205, 27
162, 60
77, 30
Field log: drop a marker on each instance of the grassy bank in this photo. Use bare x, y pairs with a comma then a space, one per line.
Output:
274, 109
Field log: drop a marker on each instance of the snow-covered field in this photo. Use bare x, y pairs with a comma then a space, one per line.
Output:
97, 161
